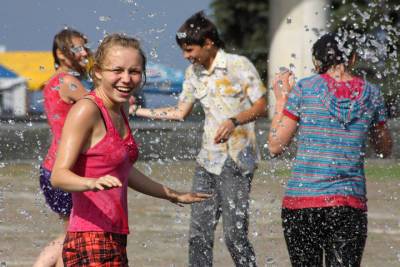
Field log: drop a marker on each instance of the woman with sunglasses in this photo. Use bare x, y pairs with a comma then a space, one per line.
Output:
69, 83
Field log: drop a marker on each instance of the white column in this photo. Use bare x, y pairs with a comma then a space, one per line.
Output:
14, 97
293, 27
19, 100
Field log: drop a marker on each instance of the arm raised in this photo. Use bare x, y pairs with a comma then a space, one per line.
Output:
179, 112
282, 128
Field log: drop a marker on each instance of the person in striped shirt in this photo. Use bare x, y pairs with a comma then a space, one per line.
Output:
332, 113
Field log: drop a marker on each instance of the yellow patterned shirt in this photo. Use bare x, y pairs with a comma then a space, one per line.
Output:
230, 86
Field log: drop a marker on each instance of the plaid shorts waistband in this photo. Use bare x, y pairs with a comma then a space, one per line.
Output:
95, 249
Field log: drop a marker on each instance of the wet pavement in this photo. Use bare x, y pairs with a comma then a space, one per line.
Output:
159, 228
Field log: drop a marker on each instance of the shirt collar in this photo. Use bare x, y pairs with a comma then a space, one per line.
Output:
218, 63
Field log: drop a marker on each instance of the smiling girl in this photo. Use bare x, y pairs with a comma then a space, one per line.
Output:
95, 159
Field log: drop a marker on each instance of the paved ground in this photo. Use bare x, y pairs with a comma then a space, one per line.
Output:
159, 228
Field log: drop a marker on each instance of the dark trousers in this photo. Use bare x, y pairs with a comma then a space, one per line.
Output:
230, 199
338, 232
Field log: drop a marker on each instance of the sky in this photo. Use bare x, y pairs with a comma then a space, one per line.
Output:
32, 24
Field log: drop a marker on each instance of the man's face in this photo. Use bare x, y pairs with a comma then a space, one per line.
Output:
196, 54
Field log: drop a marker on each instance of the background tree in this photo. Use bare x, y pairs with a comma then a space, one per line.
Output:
243, 25
374, 24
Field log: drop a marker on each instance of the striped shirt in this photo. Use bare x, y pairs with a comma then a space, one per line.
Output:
333, 129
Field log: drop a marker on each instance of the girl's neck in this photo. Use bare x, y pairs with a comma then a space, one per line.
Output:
339, 73
108, 103
67, 69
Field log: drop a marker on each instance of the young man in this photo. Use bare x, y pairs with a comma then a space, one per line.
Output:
232, 96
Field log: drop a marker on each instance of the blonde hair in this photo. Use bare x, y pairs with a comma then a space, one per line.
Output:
116, 39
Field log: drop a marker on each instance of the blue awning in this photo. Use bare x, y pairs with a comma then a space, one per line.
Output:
6, 73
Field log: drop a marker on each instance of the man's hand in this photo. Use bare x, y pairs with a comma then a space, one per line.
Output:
224, 131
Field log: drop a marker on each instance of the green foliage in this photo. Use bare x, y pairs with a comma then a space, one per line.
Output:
376, 23
243, 26
382, 171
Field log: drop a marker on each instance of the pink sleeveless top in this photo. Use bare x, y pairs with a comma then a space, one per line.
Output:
104, 211
56, 111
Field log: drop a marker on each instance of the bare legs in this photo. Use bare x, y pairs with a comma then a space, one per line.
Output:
51, 255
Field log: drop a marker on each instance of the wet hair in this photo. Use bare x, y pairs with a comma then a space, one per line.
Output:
116, 39
332, 49
63, 42
196, 29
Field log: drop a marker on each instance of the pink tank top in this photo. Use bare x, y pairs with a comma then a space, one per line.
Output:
56, 111
104, 211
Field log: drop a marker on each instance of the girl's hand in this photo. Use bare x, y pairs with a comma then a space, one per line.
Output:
187, 197
104, 183
282, 85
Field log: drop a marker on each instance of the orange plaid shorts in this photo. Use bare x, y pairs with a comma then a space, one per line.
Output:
95, 249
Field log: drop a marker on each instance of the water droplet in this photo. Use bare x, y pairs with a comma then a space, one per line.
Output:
73, 87
104, 18
147, 169
283, 69
269, 261
153, 53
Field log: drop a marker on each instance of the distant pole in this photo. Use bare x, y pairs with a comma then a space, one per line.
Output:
293, 27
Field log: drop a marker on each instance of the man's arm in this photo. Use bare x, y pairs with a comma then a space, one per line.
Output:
179, 112
226, 128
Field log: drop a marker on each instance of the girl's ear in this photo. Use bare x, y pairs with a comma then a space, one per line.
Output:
60, 55
97, 72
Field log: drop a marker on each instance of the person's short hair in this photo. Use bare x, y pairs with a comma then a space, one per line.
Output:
196, 29
332, 49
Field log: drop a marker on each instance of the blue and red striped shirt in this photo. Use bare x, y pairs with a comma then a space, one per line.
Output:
334, 120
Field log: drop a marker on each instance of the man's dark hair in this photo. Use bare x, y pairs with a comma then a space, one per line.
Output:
196, 29
332, 49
